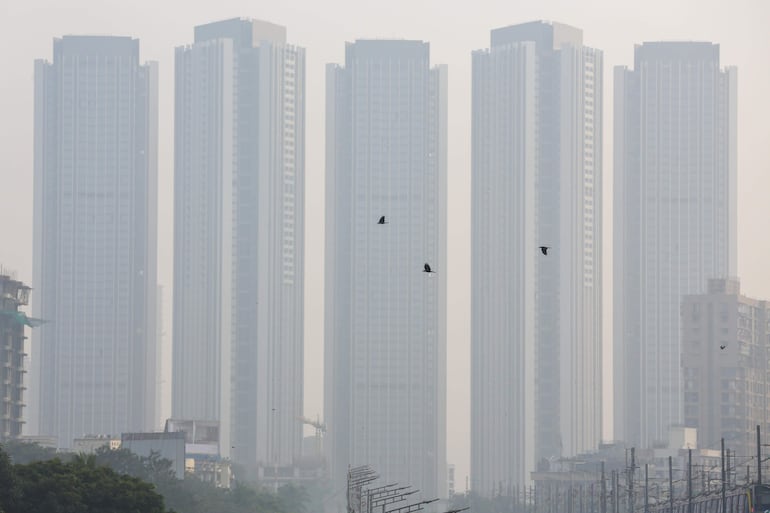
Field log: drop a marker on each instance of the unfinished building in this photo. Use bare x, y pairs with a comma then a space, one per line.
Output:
13, 295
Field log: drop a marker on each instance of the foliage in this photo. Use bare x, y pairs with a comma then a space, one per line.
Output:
49, 483
9, 491
79, 486
22, 453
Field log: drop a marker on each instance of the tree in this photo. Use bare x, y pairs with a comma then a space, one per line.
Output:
119, 481
293, 498
83, 487
9, 492
79, 486
23, 452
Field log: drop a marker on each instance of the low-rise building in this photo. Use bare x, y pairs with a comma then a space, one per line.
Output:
89, 444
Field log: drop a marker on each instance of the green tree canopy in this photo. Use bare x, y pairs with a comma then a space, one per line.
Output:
118, 481
79, 486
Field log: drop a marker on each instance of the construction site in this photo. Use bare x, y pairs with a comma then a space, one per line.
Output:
13, 296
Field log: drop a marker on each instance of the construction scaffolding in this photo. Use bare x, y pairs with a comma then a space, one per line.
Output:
13, 295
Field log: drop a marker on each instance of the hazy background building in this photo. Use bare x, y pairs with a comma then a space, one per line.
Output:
674, 219
239, 238
162, 350
725, 367
536, 340
385, 328
94, 368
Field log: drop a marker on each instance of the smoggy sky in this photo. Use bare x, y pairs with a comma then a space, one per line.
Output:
454, 29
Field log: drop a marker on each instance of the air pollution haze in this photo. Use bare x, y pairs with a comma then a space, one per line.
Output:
453, 30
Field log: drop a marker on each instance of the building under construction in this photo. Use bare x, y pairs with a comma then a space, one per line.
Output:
13, 295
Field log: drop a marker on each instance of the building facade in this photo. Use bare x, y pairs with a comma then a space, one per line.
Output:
94, 368
13, 296
536, 343
725, 348
385, 329
674, 219
239, 238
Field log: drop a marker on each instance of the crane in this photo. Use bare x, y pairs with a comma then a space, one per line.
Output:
319, 426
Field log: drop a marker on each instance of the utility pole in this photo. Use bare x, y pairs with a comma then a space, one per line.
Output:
702, 473
603, 490
612, 491
630, 479
646, 489
689, 480
759, 458
670, 485
724, 484
533, 498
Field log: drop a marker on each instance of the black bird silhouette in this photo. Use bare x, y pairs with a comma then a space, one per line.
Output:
426, 268
722, 346
382, 220
544, 249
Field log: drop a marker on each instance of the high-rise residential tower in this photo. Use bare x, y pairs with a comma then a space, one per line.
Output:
674, 219
95, 186
385, 335
239, 238
536, 319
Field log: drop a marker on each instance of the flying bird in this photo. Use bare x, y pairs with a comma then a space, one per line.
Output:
426, 268
544, 249
382, 220
722, 346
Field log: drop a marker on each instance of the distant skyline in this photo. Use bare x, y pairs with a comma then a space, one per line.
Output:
322, 28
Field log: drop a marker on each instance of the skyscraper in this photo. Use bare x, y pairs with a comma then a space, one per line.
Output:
675, 219
95, 202
239, 238
536, 319
385, 338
